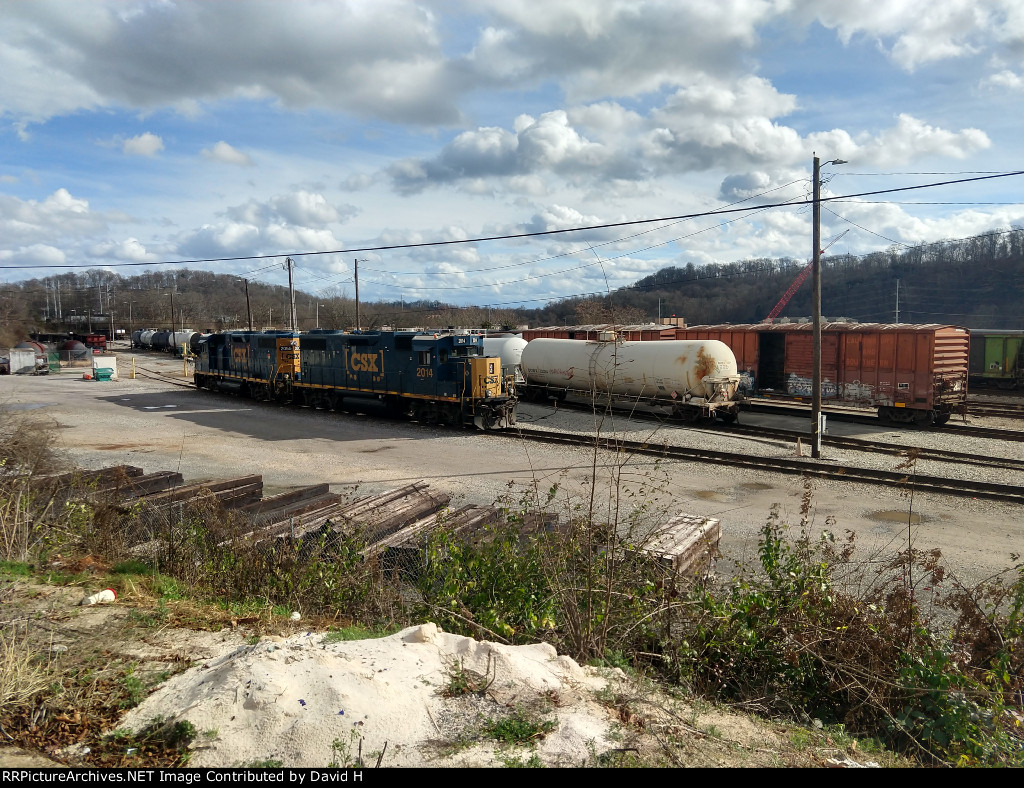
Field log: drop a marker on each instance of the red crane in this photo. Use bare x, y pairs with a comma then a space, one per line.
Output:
796, 284
789, 293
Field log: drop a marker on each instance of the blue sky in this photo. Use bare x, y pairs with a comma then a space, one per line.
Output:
155, 131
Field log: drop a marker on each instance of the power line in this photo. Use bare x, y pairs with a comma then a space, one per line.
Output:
536, 234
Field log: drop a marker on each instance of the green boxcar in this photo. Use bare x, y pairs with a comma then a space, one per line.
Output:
997, 358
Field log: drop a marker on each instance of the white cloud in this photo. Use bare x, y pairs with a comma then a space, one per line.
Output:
305, 208
229, 155
147, 144
130, 250
58, 216
1006, 79
34, 255
297, 208
913, 34
912, 139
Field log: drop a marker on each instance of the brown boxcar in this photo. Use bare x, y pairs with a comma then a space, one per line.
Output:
910, 373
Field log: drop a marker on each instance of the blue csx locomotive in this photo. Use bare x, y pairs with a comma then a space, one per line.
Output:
439, 378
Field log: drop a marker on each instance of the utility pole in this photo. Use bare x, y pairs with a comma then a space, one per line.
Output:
291, 292
357, 291
248, 309
816, 287
816, 295
897, 302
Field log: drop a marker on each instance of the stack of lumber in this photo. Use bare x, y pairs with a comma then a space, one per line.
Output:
686, 544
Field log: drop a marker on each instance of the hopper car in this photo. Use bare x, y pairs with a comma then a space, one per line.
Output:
697, 379
997, 358
438, 378
912, 374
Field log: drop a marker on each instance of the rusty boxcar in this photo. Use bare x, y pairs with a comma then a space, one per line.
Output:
910, 373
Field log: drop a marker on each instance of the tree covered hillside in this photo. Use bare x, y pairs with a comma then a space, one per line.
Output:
975, 282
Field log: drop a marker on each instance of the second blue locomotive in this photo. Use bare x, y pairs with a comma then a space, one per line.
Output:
439, 378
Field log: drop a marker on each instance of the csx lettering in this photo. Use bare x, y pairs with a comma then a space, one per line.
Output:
364, 362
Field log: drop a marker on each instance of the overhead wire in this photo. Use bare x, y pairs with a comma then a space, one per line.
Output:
519, 236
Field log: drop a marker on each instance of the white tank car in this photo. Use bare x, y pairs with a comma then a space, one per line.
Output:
697, 377
510, 350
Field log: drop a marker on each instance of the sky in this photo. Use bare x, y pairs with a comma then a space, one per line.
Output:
225, 135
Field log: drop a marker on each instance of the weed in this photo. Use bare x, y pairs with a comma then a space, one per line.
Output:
519, 727
354, 632
516, 761
133, 688
22, 676
342, 755
15, 569
131, 567
462, 681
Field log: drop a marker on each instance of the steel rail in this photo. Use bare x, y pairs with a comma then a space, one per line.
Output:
836, 441
842, 472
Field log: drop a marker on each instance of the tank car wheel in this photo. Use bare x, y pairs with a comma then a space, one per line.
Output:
728, 418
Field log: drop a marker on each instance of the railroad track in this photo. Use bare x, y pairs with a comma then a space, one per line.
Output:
153, 374
951, 427
1006, 410
839, 472
836, 441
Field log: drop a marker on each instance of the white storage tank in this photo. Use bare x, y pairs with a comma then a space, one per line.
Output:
510, 350
670, 369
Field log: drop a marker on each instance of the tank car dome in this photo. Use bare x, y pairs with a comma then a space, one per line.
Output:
72, 348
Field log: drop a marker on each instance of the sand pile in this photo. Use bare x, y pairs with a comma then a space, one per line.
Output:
308, 702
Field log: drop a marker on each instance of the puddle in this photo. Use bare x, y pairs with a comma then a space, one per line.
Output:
755, 486
30, 405
896, 516
711, 495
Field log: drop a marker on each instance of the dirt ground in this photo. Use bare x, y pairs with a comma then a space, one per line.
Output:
625, 723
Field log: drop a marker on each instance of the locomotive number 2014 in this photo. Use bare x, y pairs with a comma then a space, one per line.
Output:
424, 372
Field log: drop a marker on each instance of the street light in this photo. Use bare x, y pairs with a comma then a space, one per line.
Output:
816, 287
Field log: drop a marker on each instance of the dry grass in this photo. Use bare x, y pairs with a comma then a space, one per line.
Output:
22, 676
